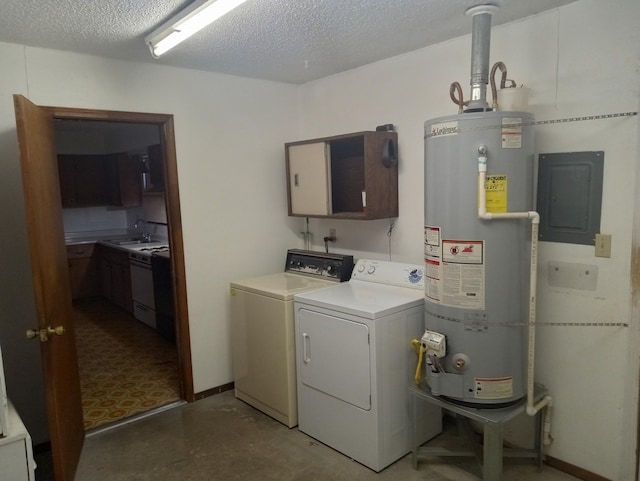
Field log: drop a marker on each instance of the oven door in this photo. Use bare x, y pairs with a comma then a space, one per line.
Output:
142, 292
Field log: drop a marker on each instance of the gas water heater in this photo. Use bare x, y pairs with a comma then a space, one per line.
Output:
477, 270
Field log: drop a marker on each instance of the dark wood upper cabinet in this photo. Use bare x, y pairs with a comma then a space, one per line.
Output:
351, 176
92, 180
124, 180
82, 180
156, 169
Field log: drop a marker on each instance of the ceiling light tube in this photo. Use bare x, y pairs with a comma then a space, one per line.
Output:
189, 21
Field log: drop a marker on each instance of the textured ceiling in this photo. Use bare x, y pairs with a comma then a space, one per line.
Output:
291, 41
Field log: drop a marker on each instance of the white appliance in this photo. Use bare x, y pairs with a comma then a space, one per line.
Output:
142, 295
355, 361
16, 451
4, 402
262, 334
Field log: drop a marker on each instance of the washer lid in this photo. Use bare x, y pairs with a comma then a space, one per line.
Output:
280, 285
363, 299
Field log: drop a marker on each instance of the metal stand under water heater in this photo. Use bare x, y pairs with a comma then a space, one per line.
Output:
478, 198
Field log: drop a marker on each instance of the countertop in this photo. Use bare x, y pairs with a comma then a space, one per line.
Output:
103, 238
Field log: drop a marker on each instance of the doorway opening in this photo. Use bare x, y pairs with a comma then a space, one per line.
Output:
133, 354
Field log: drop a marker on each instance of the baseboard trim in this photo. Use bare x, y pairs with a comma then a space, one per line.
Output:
573, 470
214, 390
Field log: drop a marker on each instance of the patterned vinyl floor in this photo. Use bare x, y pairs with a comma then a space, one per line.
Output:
125, 367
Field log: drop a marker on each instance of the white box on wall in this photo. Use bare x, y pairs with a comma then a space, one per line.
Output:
154, 208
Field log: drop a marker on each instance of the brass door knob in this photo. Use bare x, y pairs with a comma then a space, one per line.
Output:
31, 333
58, 331
43, 334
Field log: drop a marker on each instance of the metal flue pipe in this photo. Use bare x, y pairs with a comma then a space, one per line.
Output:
480, 48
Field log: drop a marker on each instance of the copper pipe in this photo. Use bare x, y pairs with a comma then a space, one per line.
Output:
503, 81
459, 101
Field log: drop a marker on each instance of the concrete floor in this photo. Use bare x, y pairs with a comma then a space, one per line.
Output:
221, 438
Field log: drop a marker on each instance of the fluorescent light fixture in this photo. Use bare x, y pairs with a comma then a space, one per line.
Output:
189, 21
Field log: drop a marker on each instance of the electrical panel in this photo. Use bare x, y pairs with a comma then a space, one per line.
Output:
570, 196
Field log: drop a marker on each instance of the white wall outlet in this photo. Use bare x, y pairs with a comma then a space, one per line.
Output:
332, 233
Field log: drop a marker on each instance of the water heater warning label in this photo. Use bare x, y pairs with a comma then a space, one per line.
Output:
511, 133
493, 388
495, 188
462, 274
433, 264
454, 270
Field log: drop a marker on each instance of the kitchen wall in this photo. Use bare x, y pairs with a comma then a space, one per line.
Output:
229, 132
582, 59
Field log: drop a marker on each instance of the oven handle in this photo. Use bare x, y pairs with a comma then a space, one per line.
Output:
306, 347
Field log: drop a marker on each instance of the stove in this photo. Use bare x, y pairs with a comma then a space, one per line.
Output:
143, 254
144, 303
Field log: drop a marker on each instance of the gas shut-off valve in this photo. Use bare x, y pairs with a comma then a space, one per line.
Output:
434, 344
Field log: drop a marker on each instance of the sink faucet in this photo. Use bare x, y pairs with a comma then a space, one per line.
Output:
145, 235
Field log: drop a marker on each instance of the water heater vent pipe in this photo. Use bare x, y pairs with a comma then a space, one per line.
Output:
532, 407
480, 48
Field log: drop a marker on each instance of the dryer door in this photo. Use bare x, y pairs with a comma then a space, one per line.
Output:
335, 357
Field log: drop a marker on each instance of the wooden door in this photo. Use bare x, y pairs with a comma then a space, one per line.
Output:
51, 284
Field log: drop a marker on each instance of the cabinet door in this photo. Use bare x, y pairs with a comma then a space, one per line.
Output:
125, 183
117, 285
156, 168
105, 279
82, 180
115, 275
66, 175
83, 271
309, 168
90, 180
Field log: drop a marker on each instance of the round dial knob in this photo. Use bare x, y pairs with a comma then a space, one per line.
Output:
371, 270
361, 268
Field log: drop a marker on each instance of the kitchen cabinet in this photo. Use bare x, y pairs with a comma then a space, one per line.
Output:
83, 270
156, 169
350, 176
82, 180
92, 180
124, 180
115, 277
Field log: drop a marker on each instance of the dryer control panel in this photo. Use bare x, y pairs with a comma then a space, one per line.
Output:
389, 273
319, 264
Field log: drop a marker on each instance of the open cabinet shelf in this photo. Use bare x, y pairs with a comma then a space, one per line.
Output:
350, 176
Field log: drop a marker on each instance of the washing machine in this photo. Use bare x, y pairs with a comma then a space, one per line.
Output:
355, 362
262, 329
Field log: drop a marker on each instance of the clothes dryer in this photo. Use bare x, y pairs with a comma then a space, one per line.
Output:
355, 362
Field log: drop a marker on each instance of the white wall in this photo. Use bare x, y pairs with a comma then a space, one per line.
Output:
583, 59
230, 133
